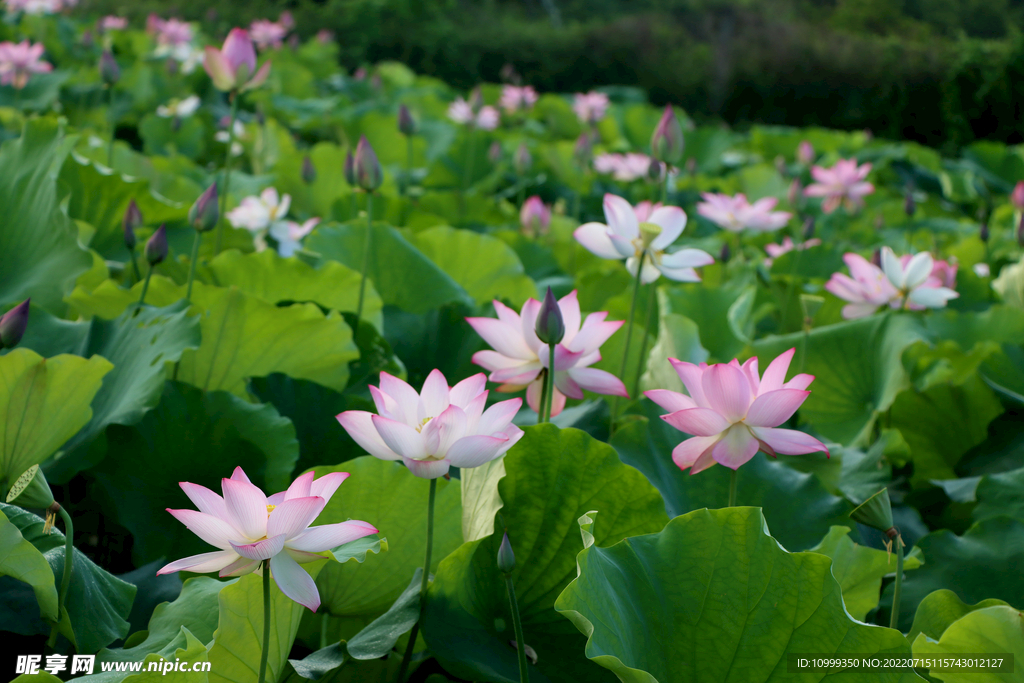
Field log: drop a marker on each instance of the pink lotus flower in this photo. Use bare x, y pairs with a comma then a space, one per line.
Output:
623, 167
590, 107
325, 36
1017, 196
535, 216
515, 98
437, 428
844, 182
461, 111
233, 66
37, 7
777, 250
251, 529
943, 273
805, 152
18, 61
912, 282
732, 413
289, 235
266, 34
519, 358
866, 290
736, 214
112, 23
631, 233
169, 32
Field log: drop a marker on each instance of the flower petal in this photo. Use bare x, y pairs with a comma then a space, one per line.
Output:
263, 549
427, 469
399, 437
670, 400
736, 447
595, 332
594, 238
200, 564
672, 221
206, 500
359, 425
692, 377
775, 373
498, 417
727, 391
435, 397
569, 305
918, 269
599, 381
698, 421
218, 69
686, 454
772, 408
293, 516
247, 507
326, 485
503, 338
300, 487
468, 389
621, 217
789, 441
687, 258
240, 567
932, 297
450, 426
294, 581
328, 536
473, 451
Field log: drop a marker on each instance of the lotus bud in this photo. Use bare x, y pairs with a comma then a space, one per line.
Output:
1017, 196
1020, 231
406, 123
132, 220
667, 140
654, 171
156, 246
110, 72
725, 254
909, 205
808, 230
31, 490
13, 324
550, 327
522, 160
805, 153
350, 169
876, 257
494, 152
796, 192
583, 150
983, 233
875, 512
534, 217
506, 558
308, 171
205, 213
369, 174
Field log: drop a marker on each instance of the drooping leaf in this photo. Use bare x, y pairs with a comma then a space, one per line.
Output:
19, 559
379, 637
480, 498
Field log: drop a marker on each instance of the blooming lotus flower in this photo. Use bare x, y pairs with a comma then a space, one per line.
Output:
733, 413
260, 214
535, 216
250, 528
918, 280
844, 182
805, 152
289, 235
36, 7
179, 109
1017, 196
777, 250
266, 34
515, 98
18, 61
590, 107
233, 67
113, 23
519, 358
437, 428
736, 214
461, 111
629, 235
866, 290
169, 32
623, 167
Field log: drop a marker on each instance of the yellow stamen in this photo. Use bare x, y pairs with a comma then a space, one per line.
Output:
270, 508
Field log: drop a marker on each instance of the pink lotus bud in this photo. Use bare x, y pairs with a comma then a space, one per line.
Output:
522, 160
406, 123
667, 141
349, 170
13, 324
110, 72
156, 246
132, 220
535, 216
233, 67
1017, 196
369, 174
308, 171
205, 213
805, 153
550, 327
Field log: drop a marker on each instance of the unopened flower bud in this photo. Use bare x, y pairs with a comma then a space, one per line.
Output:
534, 217
110, 72
725, 254
808, 229
350, 169
984, 233
494, 152
1017, 196
369, 174
132, 220
13, 324
583, 150
205, 213
156, 246
406, 123
522, 160
550, 327
876, 257
805, 153
308, 171
909, 205
506, 558
654, 171
667, 140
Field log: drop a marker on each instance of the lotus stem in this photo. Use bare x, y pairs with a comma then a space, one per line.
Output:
69, 560
732, 488
192, 265
366, 258
145, 285
227, 174
135, 266
517, 623
549, 385
643, 342
324, 627
266, 623
894, 618
407, 182
113, 126
629, 333
407, 657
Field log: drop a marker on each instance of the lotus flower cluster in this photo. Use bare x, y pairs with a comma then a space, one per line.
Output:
265, 214
777, 250
590, 107
517, 98
843, 183
18, 61
623, 167
644, 232
233, 67
736, 214
437, 428
461, 111
913, 282
732, 412
250, 528
519, 360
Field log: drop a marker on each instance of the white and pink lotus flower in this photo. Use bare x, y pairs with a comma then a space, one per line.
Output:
623, 167
844, 183
516, 98
519, 360
461, 111
736, 214
266, 214
250, 528
914, 282
590, 107
733, 412
19, 61
233, 67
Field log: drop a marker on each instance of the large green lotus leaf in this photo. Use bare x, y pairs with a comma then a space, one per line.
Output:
21, 560
484, 266
235, 654
552, 476
678, 337
191, 653
717, 583
996, 630
480, 498
100, 196
98, 603
942, 423
857, 369
39, 252
798, 508
983, 563
401, 273
416, 339
45, 401
318, 198
708, 307
859, 569
193, 436
939, 610
388, 496
1000, 494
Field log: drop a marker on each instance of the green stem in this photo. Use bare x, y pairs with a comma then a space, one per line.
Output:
323, 630
266, 623
803, 349
664, 187
366, 255
227, 174
113, 126
517, 624
898, 589
643, 342
629, 334
407, 182
789, 288
135, 266
145, 286
732, 488
543, 396
192, 265
549, 390
69, 560
407, 657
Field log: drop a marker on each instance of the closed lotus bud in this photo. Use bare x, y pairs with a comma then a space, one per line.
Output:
808, 230
350, 169
369, 174
725, 254
132, 220
494, 152
1017, 196
876, 257
110, 72
654, 171
522, 160
583, 150
667, 140
909, 205
983, 233
550, 327
13, 324
31, 490
805, 152
308, 171
1020, 231
406, 123
535, 217
205, 213
796, 192
506, 558
156, 246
